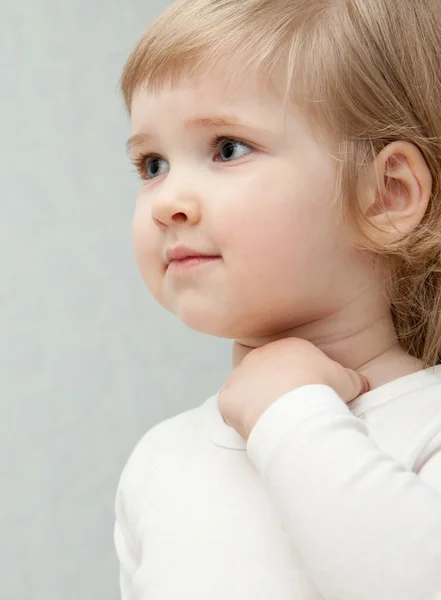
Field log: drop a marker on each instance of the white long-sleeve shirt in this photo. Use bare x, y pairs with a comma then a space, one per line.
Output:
326, 500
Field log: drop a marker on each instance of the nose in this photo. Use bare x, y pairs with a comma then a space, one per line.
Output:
172, 210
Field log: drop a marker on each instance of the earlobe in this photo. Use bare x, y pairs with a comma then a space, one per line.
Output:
401, 190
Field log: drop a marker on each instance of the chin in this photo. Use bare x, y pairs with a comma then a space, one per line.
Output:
216, 319
220, 325
208, 325
209, 322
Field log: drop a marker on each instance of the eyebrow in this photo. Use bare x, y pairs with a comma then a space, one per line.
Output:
197, 123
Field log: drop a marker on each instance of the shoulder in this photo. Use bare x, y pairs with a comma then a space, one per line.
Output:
404, 424
169, 438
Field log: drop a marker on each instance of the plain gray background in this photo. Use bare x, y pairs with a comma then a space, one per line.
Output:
88, 361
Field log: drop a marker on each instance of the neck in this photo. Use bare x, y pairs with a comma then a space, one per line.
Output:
358, 337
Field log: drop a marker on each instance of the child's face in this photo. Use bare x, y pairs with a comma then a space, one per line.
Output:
264, 207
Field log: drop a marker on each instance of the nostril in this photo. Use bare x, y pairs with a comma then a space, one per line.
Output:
159, 223
180, 216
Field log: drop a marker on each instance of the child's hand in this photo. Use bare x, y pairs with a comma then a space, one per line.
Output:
269, 372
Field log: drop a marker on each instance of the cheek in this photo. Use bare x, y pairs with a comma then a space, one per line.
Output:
143, 240
139, 234
277, 226
282, 236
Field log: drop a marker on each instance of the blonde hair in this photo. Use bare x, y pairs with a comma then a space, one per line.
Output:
366, 70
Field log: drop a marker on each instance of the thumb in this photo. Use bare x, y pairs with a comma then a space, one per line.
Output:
360, 385
365, 384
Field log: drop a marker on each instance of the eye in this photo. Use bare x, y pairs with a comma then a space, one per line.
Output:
228, 145
148, 165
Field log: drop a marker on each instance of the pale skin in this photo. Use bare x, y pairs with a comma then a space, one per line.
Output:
285, 267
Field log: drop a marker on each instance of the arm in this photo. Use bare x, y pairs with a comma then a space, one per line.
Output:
125, 548
365, 526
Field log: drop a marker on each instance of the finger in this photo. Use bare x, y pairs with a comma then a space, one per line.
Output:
365, 384
360, 385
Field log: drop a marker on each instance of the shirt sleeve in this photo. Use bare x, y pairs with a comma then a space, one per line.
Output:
365, 526
125, 547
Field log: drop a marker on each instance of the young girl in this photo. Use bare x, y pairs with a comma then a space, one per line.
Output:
290, 158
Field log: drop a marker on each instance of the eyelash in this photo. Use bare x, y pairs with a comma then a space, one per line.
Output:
214, 144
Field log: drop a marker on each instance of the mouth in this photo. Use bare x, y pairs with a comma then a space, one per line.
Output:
182, 258
182, 265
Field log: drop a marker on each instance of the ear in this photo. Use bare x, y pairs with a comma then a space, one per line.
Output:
397, 189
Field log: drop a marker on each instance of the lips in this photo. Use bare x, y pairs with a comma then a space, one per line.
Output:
180, 253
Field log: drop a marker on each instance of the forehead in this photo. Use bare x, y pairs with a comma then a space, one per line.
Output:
188, 98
